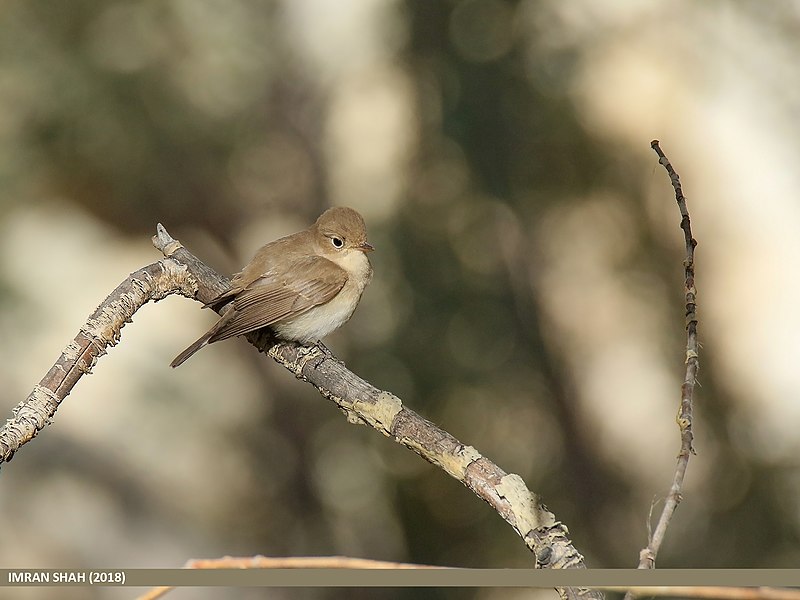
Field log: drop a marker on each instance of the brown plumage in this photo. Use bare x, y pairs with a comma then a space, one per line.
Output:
302, 286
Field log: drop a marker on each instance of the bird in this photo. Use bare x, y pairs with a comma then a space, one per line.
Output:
302, 286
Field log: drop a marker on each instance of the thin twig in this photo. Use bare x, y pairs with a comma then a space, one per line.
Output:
292, 562
710, 592
647, 557
299, 562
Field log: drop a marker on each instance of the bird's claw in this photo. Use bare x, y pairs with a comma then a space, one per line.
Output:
327, 353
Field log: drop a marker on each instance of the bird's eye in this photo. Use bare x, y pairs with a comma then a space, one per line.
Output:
337, 242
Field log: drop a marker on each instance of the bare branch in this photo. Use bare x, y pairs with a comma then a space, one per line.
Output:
363, 403
710, 592
299, 562
181, 272
647, 557
101, 330
291, 562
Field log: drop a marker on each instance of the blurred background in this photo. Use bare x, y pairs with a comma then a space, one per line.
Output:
528, 290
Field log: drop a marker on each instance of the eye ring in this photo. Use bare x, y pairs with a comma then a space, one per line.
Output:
337, 242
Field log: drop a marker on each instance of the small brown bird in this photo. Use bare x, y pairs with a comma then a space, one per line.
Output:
302, 286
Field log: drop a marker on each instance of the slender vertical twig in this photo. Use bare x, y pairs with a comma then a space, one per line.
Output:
647, 557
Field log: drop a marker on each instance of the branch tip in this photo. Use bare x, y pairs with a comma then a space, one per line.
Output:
164, 242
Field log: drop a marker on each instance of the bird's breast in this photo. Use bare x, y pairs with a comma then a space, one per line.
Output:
321, 320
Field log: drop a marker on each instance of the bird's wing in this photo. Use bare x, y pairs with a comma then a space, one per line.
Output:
274, 297
222, 297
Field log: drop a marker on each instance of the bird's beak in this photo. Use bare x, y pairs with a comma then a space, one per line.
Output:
365, 247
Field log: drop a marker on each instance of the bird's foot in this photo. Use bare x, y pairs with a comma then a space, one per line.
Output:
327, 353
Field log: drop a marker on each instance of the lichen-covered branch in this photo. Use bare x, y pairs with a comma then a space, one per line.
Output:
101, 330
363, 403
181, 272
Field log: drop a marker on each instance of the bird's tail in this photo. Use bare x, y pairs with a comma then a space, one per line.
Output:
183, 356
